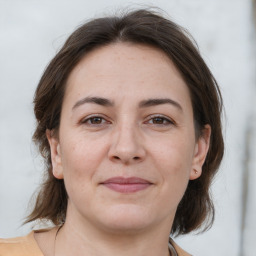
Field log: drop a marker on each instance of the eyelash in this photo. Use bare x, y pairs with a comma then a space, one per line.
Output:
85, 121
167, 121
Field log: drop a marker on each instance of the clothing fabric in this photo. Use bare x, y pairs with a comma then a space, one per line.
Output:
27, 246
20, 246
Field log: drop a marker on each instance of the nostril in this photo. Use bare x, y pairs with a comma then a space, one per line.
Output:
134, 158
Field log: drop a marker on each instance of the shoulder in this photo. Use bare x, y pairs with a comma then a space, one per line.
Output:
179, 250
20, 246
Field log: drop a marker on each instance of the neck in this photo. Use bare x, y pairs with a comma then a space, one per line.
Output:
83, 239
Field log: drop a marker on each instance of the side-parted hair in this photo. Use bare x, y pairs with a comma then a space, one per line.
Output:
196, 210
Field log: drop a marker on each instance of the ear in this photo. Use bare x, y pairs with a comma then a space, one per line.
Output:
200, 152
57, 169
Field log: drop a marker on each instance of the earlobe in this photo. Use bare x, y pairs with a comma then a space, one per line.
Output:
57, 169
200, 153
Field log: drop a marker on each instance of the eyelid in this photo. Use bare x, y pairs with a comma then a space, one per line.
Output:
168, 119
87, 118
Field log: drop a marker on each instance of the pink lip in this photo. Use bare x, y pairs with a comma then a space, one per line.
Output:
126, 185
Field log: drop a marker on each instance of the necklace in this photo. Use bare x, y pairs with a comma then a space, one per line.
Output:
172, 251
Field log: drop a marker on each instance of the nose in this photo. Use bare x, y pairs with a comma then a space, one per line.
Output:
126, 145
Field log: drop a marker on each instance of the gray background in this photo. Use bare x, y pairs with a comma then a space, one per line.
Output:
31, 32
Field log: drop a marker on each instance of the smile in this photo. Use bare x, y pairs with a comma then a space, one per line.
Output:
126, 185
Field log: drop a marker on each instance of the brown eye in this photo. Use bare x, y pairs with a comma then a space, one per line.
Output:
94, 120
160, 120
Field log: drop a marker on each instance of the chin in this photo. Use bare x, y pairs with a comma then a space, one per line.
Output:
127, 219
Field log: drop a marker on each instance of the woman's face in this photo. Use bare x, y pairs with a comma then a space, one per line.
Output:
126, 146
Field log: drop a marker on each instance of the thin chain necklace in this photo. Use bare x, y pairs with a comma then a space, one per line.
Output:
172, 251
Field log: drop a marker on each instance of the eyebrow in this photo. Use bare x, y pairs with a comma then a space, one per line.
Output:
155, 102
143, 104
96, 100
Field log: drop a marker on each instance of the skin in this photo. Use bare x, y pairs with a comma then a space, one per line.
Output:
96, 142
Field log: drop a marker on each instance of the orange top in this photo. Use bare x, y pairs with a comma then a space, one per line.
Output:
20, 246
27, 246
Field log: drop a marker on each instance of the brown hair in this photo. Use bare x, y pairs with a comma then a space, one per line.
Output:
143, 27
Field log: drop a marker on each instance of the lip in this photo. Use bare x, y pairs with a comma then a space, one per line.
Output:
126, 185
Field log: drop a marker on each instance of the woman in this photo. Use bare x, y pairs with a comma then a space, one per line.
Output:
129, 123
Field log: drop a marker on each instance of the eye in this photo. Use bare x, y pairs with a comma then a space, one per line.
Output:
160, 120
94, 120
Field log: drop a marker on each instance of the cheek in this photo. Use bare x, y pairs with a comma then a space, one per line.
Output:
80, 161
174, 156
173, 160
79, 152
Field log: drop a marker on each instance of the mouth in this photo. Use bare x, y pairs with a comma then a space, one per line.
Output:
126, 185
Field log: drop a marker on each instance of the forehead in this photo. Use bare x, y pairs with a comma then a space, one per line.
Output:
126, 70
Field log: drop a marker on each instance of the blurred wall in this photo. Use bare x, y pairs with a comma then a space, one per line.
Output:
32, 31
